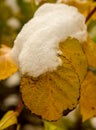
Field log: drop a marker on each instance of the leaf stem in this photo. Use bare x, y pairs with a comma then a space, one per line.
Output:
19, 107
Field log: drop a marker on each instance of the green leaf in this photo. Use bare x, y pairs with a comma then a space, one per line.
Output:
62, 124
51, 126
92, 29
26, 11
10, 118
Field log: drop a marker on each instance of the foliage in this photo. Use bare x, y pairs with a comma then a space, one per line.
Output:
92, 29
6, 63
70, 77
8, 119
6, 36
88, 96
60, 88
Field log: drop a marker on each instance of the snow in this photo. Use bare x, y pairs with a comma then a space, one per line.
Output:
36, 47
13, 22
13, 5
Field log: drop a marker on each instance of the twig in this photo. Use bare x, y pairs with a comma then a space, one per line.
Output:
90, 14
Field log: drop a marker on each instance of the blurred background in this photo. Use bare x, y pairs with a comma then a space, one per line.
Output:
13, 15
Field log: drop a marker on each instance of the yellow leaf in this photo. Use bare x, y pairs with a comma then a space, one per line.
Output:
73, 52
52, 94
90, 51
88, 96
7, 65
10, 118
50, 126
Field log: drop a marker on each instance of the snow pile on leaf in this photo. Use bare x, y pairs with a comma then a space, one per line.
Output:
36, 47
51, 60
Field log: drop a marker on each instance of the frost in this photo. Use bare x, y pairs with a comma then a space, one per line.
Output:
36, 47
